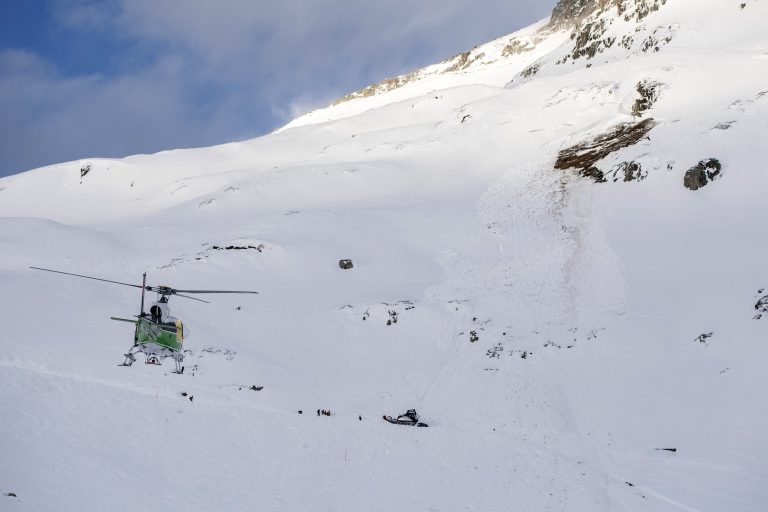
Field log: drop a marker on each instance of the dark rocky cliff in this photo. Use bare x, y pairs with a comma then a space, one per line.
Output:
569, 12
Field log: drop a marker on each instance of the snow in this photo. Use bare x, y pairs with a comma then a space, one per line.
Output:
586, 299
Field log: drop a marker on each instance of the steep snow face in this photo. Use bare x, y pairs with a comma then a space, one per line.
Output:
493, 64
580, 330
580, 33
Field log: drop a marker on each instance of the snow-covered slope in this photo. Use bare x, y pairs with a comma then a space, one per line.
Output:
533, 202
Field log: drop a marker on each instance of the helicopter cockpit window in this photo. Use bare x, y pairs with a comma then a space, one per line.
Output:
156, 313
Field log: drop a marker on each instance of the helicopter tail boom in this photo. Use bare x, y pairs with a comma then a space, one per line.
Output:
124, 320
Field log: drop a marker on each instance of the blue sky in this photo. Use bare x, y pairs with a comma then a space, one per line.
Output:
110, 78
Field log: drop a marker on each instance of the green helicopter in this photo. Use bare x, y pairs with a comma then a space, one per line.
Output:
157, 334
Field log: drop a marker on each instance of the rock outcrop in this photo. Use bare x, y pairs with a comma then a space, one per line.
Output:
584, 155
568, 13
702, 173
761, 306
649, 92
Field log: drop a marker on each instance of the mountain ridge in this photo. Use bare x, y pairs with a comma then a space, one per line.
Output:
585, 22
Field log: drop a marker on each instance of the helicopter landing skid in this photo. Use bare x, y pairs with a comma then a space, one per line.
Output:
179, 368
156, 360
129, 360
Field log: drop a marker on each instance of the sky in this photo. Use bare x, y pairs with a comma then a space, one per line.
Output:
111, 78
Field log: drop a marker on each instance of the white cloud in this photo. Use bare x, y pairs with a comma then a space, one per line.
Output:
84, 14
54, 118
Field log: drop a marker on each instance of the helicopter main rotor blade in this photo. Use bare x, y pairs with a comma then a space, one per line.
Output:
214, 291
164, 290
193, 298
87, 277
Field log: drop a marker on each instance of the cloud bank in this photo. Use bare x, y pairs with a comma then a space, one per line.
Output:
175, 73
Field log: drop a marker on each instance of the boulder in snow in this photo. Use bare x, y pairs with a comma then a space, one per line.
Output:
702, 173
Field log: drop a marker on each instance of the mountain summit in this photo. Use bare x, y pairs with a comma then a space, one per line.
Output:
550, 246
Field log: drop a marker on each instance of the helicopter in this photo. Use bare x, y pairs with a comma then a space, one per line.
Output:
157, 334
